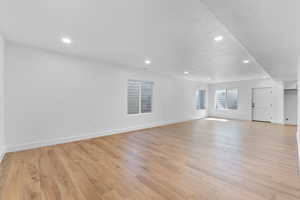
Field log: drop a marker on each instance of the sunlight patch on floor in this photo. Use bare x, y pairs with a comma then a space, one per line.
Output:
216, 119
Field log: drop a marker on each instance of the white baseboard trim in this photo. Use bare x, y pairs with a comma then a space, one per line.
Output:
229, 118
298, 142
290, 124
2, 153
14, 148
278, 122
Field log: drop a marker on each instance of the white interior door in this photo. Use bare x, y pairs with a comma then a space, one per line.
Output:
261, 104
290, 106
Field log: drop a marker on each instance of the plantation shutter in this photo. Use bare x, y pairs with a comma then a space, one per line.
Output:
139, 96
133, 97
220, 99
232, 98
200, 99
146, 97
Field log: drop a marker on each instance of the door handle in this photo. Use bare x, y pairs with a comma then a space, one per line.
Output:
253, 105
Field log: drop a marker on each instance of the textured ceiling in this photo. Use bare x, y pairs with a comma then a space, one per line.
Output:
176, 35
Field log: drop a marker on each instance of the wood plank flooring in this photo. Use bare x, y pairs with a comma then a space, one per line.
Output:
202, 159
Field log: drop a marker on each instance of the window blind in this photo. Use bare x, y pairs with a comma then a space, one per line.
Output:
139, 96
232, 98
226, 99
146, 97
133, 97
200, 99
220, 99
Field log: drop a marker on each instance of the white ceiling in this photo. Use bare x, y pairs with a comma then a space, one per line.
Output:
176, 35
269, 29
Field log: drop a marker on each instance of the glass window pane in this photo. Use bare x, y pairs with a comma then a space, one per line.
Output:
220, 99
232, 98
133, 97
200, 99
146, 97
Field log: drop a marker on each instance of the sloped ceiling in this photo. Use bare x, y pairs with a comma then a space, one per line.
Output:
269, 29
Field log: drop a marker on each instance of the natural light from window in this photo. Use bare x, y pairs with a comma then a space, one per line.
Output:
216, 119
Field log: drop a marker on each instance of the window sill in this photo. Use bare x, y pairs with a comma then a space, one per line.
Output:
139, 114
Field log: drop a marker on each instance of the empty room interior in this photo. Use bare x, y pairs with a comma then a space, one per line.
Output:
149, 99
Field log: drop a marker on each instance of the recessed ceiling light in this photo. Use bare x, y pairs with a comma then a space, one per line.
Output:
265, 77
186, 72
246, 61
219, 38
66, 40
147, 62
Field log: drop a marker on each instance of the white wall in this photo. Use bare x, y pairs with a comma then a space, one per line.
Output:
52, 98
244, 111
289, 85
298, 118
2, 138
290, 106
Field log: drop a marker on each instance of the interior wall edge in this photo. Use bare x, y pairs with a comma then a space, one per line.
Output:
2, 153
298, 142
239, 119
2, 103
38, 144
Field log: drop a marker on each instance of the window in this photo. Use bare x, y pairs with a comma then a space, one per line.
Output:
220, 99
200, 99
226, 99
139, 97
133, 97
146, 97
232, 99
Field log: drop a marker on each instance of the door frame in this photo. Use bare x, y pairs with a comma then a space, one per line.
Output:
284, 107
252, 101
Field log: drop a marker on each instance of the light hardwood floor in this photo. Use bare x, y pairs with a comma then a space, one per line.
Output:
203, 160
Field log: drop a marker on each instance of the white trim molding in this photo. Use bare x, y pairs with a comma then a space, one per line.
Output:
14, 148
298, 142
2, 153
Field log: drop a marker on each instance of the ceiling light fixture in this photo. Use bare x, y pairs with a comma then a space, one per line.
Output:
219, 38
265, 77
147, 62
186, 72
66, 40
246, 61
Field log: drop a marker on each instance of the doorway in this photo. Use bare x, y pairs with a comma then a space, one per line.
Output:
290, 106
261, 104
